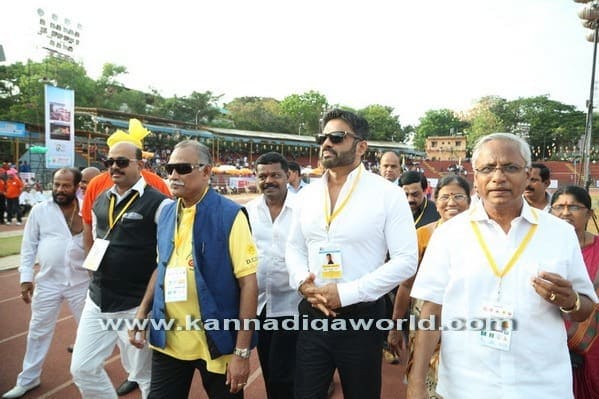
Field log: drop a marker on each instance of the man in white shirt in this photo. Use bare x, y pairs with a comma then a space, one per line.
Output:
356, 217
501, 260
39, 195
53, 233
26, 200
295, 182
535, 192
390, 167
87, 175
270, 218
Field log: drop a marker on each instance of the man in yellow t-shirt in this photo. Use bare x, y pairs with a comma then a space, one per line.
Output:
207, 272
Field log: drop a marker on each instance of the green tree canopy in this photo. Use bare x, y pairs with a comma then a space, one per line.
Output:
384, 126
258, 114
304, 111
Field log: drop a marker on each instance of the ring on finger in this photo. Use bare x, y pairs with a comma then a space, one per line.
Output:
552, 297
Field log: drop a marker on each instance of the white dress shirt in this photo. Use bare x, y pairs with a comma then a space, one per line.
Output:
60, 253
274, 290
456, 274
375, 219
293, 190
27, 198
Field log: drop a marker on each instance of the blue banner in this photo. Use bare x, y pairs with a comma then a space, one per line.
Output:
12, 129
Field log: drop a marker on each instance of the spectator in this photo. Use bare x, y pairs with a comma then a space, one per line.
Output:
14, 188
415, 185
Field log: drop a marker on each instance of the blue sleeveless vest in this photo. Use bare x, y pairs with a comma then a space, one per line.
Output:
217, 288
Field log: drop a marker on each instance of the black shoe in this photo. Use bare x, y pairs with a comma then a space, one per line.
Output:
126, 387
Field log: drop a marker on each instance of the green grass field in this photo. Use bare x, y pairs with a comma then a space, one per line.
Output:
10, 245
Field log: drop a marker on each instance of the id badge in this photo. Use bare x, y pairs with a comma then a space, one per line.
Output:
175, 284
95, 255
330, 260
497, 333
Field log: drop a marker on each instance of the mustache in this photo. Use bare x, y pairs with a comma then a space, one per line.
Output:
271, 186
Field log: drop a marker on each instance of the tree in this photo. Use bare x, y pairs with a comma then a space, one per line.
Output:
197, 107
304, 111
384, 126
22, 87
485, 118
437, 123
259, 114
551, 124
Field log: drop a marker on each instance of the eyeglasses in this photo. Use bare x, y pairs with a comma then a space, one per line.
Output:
182, 168
456, 197
335, 137
510, 169
571, 208
120, 162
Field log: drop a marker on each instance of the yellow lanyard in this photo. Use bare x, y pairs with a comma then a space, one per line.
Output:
111, 219
327, 213
180, 235
421, 213
514, 257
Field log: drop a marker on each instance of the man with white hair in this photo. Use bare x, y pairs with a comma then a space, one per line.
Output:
507, 262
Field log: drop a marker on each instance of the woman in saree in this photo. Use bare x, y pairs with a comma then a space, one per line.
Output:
573, 204
452, 197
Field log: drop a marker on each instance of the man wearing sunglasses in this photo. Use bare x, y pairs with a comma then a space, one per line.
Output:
122, 260
356, 216
206, 273
103, 182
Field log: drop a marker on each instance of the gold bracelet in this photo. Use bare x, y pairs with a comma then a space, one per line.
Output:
576, 306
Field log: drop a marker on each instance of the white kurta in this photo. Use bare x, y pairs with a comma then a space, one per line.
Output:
60, 278
455, 273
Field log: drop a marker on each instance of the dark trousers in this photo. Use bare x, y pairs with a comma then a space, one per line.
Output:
356, 354
13, 209
171, 378
276, 351
2, 208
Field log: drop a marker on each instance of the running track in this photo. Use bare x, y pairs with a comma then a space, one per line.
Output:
56, 379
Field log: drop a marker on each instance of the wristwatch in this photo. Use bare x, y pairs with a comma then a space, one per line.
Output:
242, 353
576, 307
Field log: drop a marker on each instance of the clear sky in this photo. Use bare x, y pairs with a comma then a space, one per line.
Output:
411, 55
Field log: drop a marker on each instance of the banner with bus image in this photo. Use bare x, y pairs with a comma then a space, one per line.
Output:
60, 127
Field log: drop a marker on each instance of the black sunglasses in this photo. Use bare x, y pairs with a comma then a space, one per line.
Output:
182, 168
120, 162
335, 137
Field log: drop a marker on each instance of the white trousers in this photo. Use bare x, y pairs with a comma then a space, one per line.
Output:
45, 308
95, 344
